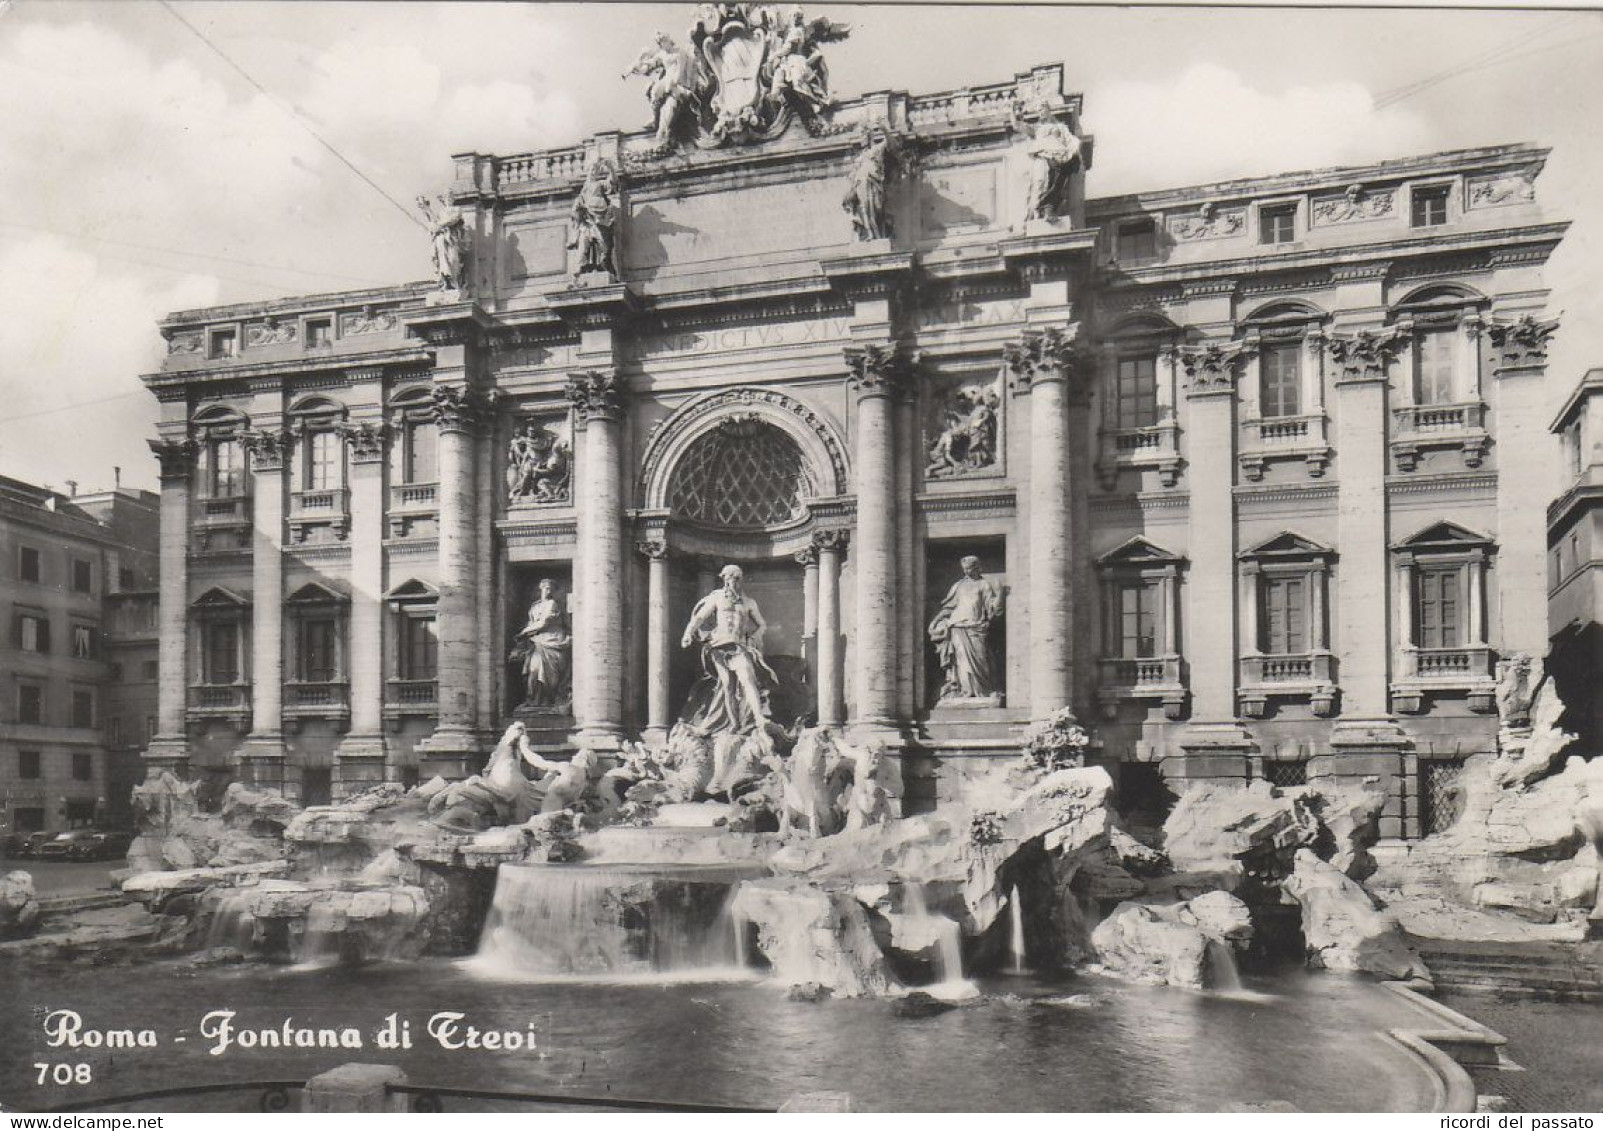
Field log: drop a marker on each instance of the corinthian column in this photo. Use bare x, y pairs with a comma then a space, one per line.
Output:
360, 759
831, 707
453, 747
169, 749
879, 375
1047, 364
658, 640
598, 654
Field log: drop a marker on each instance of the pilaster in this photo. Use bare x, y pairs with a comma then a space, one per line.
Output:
169, 749
360, 759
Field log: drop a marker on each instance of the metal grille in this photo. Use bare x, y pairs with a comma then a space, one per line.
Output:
1441, 800
1286, 773
743, 475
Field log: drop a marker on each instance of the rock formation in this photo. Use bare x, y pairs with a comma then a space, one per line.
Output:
1185, 944
815, 937
19, 910
1342, 927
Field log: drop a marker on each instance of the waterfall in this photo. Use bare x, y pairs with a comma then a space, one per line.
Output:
1223, 976
232, 924
608, 923
948, 944
1015, 933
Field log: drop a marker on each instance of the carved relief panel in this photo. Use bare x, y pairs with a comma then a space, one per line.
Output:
539, 461
963, 427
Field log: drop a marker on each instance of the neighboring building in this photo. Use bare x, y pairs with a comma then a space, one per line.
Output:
1253, 463
1575, 563
66, 758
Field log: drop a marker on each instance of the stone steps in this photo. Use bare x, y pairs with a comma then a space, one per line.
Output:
1546, 971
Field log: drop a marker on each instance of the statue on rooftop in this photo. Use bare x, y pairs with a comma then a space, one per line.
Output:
1054, 153
595, 219
677, 81
798, 74
961, 633
448, 230
864, 201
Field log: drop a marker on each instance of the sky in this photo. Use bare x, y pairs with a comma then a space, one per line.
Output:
143, 172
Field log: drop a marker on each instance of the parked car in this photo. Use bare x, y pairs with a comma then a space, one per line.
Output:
85, 844
29, 844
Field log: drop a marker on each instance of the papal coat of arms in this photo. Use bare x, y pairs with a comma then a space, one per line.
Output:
747, 72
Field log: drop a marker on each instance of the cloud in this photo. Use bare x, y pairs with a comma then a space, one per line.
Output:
1234, 130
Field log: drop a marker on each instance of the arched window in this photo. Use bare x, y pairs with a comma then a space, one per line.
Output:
415, 453
221, 466
1138, 421
1438, 384
1283, 397
744, 474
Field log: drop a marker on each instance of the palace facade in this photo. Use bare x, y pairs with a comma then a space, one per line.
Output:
1257, 468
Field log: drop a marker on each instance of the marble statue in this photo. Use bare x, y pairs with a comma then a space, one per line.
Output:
565, 783
865, 198
497, 795
448, 230
595, 219
676, 83
1053, 151
868, 803
808, 801
729, 627
538, 465
968, 441
961, 633
1518, 678
800, 76
543, 648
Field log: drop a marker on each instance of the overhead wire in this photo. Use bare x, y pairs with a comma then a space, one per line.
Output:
1468, 66
291, 112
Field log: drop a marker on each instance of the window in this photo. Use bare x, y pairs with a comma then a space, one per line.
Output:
1283, 618
1277, 224
419, 647
1137, 240
83, 576
1138, 613
80, 814
30, 704
28, 765
322, 461
113, 732
1572, 444
224, 471
1439, 607
1435, 366
149, 670
114, 673
1430, 206
315, 649
83, 767
1286, 775
224, 344
125, 578
33, 633
419, 447
29, 564
220, 652
1137, 392
1280, 380
151, 727
29, 820
319, 333
83, 708
83, 642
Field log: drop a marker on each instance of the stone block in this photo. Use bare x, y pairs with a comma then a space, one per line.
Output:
356, 1088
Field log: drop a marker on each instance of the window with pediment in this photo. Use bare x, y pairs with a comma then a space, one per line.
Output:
1283, 391
1137, 373
744, 474
411, 688
1436, 378
1285, 600
1442, 619
1141, 657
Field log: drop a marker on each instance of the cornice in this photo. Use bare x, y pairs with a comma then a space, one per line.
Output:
998, 503
1480, 482
226, 371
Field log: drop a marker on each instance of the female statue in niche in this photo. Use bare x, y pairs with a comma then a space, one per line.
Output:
961, 632
544, 648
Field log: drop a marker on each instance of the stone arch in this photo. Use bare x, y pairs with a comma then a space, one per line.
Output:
1440, 295
822, 466
1285, 311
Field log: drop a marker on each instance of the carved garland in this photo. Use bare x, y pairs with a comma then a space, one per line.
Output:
676, 431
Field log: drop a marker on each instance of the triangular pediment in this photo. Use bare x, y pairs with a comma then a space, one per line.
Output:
1446, 534
315, 593
219, 598
1288, 543
1137, 551
412, 590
